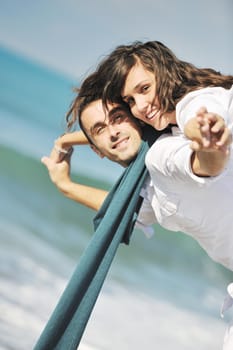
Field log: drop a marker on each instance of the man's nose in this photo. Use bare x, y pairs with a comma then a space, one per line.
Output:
113, 130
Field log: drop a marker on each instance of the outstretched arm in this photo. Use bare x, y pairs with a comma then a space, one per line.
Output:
59, 173
210, 142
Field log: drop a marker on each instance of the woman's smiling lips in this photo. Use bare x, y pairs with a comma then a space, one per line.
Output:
154, 114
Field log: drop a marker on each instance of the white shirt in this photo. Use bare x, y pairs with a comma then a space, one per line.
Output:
181, 201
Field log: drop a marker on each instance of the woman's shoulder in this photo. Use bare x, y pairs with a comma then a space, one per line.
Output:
165, 147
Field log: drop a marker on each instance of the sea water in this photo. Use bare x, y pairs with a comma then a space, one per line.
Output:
160, 293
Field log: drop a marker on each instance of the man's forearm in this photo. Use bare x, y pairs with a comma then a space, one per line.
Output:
91, 197
59, 174
71, 139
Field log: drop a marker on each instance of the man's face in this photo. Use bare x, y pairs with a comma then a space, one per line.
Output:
114, 132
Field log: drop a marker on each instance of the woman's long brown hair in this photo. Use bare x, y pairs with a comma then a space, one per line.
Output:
174, 78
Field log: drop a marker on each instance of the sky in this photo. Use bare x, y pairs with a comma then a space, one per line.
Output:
71, 36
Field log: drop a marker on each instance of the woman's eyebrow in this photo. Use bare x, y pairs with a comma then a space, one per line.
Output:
136, 87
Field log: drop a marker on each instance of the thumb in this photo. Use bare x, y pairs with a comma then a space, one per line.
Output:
46, 161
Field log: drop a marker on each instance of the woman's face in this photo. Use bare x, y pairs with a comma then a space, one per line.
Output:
139, 93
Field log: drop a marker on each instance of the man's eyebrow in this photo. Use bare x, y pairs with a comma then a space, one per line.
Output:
116, 110
109, 116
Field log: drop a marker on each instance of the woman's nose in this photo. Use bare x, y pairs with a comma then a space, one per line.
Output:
140, 108
141, 104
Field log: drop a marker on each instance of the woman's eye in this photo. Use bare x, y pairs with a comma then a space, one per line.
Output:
145, 88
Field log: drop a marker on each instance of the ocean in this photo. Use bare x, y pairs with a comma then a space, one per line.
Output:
160, 293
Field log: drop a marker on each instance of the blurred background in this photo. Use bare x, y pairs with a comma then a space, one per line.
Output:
160, 293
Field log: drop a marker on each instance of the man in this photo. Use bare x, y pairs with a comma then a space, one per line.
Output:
116, 136
113, 133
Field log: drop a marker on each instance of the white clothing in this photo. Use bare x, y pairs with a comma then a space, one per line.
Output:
146, 217
228, 338
215, 99
181, 201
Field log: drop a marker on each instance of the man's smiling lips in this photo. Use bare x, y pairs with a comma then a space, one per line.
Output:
121, 143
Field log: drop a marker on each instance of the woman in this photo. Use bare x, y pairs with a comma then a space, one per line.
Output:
160, 89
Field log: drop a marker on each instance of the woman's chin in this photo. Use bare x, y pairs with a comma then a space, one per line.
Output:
160, 124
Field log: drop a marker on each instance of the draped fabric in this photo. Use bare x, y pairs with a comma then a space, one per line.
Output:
113, 224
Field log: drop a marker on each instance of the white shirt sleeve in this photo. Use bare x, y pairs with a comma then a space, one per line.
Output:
169, 160
217, 100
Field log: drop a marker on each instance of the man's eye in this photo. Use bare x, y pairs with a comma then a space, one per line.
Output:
98, 130
118, 118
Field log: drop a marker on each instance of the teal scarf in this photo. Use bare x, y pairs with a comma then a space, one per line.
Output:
113, 224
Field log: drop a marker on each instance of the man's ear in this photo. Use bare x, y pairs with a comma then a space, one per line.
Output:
95, 149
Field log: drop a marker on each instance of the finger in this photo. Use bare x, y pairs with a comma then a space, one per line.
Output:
55, 156
195, 146
201, 119
46, 161
218, 126
204, 123
225, 139
206, 142
66, 156
206, 135
202, 110
210, 118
